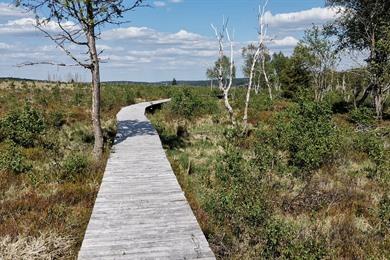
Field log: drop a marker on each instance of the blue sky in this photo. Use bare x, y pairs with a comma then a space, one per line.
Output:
171, 39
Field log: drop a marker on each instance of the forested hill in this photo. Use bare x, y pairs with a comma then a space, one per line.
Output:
236, 82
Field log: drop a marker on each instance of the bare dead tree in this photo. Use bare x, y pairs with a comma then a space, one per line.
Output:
259, 54
78, 22
225, 85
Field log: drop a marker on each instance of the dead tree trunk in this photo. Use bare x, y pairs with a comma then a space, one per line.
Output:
256, 56
248, 92
223, 85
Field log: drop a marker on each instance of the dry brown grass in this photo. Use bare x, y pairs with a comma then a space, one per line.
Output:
46, 246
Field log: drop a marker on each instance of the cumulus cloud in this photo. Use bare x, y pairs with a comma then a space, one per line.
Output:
145, 49
147, 34
27, 25
302, 18
7, 10
288, 41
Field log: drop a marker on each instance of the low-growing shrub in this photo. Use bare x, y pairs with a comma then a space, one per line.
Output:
57, 119
265, 153
22, 127
283, 241
362, 116
74, 165
384, 213
308, 133
186, 104
372, 145
12, 160
237, 195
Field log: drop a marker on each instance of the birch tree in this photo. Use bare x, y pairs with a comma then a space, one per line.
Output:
225, 76
79, 22
321, 60
259, 56
364, 25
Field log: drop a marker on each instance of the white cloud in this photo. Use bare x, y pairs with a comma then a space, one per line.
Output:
301, 18
9, 10
4, 46
288, 41
27, 25
176, 1
159, 3
129, 33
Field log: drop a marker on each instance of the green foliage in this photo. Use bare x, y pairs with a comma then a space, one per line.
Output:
283, 241
57, 119
309, 134
187, 104
297, 74
237, 196
12, 160
213, 73
265, 153
384, 213
22, 127
74, 165
129, 97
248, 54
372, 145
362, 116
174, 82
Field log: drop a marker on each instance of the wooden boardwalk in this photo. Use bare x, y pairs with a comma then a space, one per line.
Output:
140, 211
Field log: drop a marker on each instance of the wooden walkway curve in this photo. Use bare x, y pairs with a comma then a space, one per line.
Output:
140, 211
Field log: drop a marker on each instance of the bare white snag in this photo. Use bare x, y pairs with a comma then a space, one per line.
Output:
223, 85
259, 54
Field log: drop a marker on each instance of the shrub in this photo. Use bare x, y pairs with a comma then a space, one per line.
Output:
283, 241
309, 135
81, 133
373, 146
238, 197
384, 213
22, 127
186, 104
74, 165
57, 119
265, 154
12, 160
362, 116
129, 97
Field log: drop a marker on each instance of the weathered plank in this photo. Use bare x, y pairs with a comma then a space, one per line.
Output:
140, 211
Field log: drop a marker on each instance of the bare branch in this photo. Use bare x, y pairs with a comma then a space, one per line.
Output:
25, 64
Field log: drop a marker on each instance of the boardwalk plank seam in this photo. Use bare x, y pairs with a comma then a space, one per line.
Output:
140, 210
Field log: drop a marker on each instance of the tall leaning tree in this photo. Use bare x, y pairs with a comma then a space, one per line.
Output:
364, 25
79, 22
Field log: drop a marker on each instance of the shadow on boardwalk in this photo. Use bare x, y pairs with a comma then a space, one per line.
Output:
131, 128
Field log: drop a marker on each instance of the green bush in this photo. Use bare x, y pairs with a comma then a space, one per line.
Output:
129, 97
12, 160
74, 165
283, 241
384, 213
265, 153
81, 133
308, 133
373, 146
22, 127
57, 119
362, 116
237, 196
186, 104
